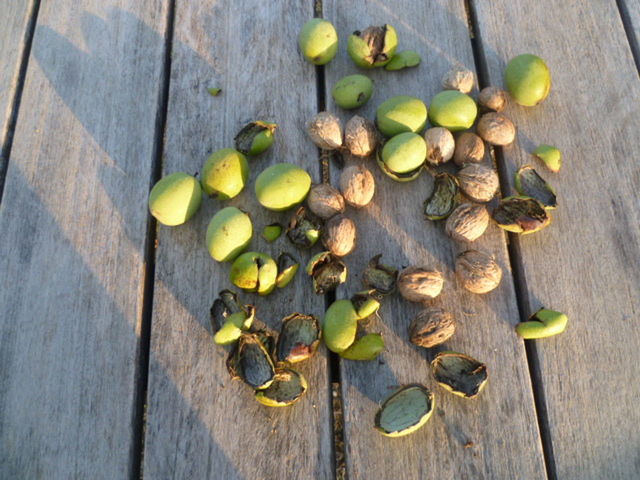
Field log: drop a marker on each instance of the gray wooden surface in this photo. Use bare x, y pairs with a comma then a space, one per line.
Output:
202, 424
394, 225
16, 16
72, 225
587, 263
632, 8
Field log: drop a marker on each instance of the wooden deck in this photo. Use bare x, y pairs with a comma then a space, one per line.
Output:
107, 367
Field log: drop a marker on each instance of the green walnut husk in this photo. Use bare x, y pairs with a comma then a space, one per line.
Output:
226, 304
272, 232
224, 174
304, 228
255, 137
404, 59
233, 327
327, 271
365, 303
461, 374
544, 323
401, 114
214, 91
521, 214
365, 348
379, 277
282, 186
228, 234
402, 157
318, 41
372, 47
528, 79
405, 411
175, 199
352, 91
253, 364
453, 110
340, 325
444, 198
530, 184
254, 272
299, 338
287, 269
551, 156
288, 387
229, 317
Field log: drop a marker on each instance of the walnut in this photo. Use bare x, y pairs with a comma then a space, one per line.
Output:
440, 145
418, 284
325, 201
431, 327
478, 182
357, 185
496, 129
339, 236
458, 78
477, 271
467, 222
325, 130
492, 98
469, 149
360, 136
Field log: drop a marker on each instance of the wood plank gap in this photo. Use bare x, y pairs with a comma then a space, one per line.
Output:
142, 374
7, 141
515, 260
628, 30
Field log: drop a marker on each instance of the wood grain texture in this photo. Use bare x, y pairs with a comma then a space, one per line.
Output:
72, 232
632, 8
16, 16
495, 435
587, 263
202, 424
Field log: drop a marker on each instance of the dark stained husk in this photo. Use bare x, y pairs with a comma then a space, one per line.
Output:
521, 214
327, 271
379, 277
530, 184
253, 363
443, 199
405, 411
226, 304
299, 338
304, 228
288, 387
461, 374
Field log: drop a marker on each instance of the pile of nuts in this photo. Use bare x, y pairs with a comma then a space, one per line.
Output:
403, 149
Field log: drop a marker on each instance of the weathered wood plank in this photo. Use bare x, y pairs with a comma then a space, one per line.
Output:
632, 9
72, 233
495, 435
16, 17
587, 262
201, 424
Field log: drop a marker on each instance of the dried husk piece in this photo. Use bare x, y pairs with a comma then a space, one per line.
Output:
432, 327
299, 338
443, 199
520, 214
253, 364
461, 374
379, 277
530, 184
405, 411
287, 269
288, 387
304, 229
327, 271
366, 348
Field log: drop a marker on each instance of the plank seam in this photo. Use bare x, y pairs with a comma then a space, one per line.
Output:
142, 368
7, 141
628, 30
515, 260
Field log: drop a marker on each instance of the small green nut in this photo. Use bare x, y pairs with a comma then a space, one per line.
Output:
228, 234
224, 174
544, 323
453, 110
282, 186
404, 59
255, 137
288, 387
528, 79
287, 269
272, 232
352, 91
401, 114
340, 325
551, 156
254, 272
405, 411
365, 348
175, 198
403, 156
214, 91
372, 47
318, 41
365, 303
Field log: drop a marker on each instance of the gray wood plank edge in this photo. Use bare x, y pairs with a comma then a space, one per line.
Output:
587, 262
630, 13
495, 435
201, 424
72, 234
